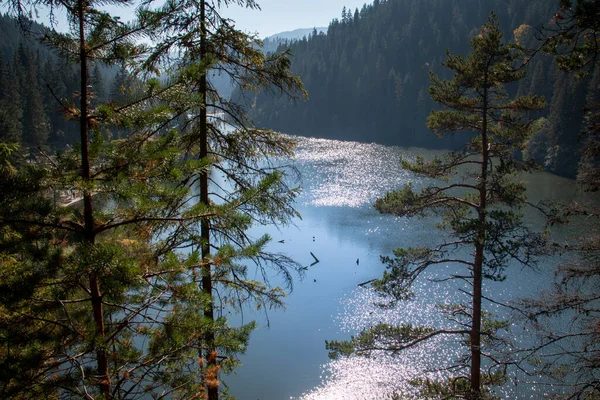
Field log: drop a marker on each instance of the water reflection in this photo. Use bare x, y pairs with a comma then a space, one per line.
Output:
382, 374
349, 174
341, 180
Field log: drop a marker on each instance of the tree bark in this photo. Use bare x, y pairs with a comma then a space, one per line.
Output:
211, 380
475, 378
88, 215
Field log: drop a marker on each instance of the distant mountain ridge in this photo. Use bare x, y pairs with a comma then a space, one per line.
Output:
296, 33
271, 43
226, 87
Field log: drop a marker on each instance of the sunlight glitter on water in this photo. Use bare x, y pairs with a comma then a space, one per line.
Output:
355, 173
349, 174
382, 374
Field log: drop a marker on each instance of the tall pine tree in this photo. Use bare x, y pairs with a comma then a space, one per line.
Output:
480, 209
239, 173
10, 105
105, 295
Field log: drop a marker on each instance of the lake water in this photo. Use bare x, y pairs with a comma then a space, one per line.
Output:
286, 358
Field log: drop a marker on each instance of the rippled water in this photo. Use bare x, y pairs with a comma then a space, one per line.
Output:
380, 375
349, 174
341, 180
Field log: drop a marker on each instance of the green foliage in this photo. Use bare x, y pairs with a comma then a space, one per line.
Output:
404, 202
573, 36
477, 196
573, 41
457, 388
39, 87
102, 263
379, 337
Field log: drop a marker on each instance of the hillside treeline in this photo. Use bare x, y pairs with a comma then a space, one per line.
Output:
367, 78
33, 80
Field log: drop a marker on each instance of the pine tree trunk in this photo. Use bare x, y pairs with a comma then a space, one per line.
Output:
211, 380
475, 378
96, 296
476, 324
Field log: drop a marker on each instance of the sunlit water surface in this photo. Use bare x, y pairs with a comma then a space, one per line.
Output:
286, 358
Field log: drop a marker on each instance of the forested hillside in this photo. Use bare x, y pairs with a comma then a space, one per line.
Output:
367, 78
32, 79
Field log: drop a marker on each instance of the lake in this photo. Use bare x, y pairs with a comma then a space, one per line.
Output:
286, 358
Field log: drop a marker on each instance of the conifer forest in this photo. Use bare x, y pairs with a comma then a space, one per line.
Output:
171, 185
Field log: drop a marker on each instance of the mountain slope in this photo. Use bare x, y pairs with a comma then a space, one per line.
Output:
367, 78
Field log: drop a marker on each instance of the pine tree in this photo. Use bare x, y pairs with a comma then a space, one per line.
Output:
108, 298
34, 121
61, 81
119, 86
230, 145
99, 91
480, 208
91, 293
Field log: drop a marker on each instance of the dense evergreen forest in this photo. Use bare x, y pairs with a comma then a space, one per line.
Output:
367, 78
271, 43
33, 78
33, 81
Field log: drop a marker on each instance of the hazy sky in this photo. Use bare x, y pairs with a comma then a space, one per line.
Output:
275, 15
285, 15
